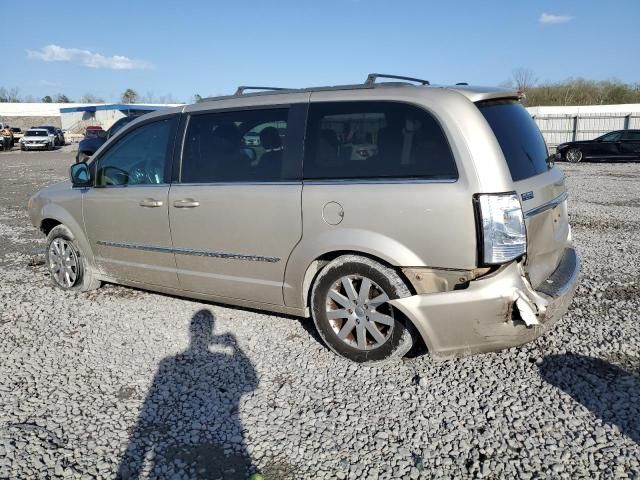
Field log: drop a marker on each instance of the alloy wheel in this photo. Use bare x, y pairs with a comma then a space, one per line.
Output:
574, 155
359, 313
63, 263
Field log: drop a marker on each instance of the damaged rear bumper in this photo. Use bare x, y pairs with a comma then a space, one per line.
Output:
492, 313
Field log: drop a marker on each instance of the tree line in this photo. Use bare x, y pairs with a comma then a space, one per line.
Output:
12, 95
572, 91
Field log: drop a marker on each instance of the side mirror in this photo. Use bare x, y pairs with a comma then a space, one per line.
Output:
80, 175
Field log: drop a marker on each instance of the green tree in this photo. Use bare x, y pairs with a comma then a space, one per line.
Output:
62, 98
129, 96
47, 99
197, 98
90, 98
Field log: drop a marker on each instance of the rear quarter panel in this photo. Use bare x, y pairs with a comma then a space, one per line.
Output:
404, 223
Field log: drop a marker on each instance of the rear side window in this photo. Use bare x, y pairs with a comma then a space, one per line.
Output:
241, 146
632, 136
520, 139
375, 140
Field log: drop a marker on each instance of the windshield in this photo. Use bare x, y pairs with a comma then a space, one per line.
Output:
520, 139
36, 133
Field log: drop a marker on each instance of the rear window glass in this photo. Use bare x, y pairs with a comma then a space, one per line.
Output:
522, 143
375, 140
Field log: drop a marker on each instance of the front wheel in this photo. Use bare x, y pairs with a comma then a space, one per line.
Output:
573, 155
351, 310
67, 265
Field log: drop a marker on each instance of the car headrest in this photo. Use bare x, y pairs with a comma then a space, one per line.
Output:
270, 138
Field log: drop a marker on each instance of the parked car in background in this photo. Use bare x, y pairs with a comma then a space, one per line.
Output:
61, 140
17, 134
94, 138
1, 143
53, 132
37, 139
620, 145
450, 226
94, 131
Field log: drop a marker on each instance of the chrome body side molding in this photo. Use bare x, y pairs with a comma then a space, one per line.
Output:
189, 251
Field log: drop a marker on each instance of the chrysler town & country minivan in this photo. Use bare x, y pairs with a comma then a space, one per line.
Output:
388, 212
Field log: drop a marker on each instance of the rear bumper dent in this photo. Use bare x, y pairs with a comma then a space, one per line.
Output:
493, 313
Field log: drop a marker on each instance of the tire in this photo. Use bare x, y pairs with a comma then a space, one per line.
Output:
62, 257
49, 146
353, 318
82, 157
573, 155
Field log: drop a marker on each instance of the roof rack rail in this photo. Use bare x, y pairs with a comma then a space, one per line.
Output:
372, 77
242, 89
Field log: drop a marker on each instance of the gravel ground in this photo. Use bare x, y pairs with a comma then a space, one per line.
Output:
126, 382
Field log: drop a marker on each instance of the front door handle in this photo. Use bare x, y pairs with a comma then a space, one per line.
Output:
150, 203
186, 203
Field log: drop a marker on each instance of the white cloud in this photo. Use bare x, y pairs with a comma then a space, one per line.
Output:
55, 53
548, 18
47, 83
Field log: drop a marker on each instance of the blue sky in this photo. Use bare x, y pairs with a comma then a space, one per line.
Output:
210, 47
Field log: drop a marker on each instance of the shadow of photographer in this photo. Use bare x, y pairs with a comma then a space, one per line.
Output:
189, 422
609, 392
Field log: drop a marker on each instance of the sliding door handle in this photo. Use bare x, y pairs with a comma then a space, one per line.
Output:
150, 203
186, 203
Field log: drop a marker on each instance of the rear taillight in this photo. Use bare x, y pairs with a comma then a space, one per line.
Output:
502, 232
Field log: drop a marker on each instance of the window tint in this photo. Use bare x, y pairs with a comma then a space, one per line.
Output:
611, 137
632, 136
375, 140
522, 143
138, 158
243, 146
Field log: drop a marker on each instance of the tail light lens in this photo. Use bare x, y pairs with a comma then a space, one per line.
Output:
502, 229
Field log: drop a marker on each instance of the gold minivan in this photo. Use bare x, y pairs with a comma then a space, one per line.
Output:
389, 212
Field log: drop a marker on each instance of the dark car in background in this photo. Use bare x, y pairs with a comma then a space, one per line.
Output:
61, 139
620, 145
95, 138
56, 132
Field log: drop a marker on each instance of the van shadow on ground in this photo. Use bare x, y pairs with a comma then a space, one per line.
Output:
189, 422
609, 392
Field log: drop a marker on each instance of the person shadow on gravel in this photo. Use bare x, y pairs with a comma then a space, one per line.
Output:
189, 424
611, 393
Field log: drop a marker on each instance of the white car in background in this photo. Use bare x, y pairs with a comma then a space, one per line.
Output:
37, 138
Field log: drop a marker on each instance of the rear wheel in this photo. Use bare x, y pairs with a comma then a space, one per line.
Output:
351, 310
573, 155
67, 265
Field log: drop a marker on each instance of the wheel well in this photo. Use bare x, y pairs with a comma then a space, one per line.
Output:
319, 263
48, 224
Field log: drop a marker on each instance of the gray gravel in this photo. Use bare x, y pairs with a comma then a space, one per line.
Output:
121, 380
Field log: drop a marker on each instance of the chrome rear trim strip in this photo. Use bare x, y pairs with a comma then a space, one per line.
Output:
546, 206
189, 251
